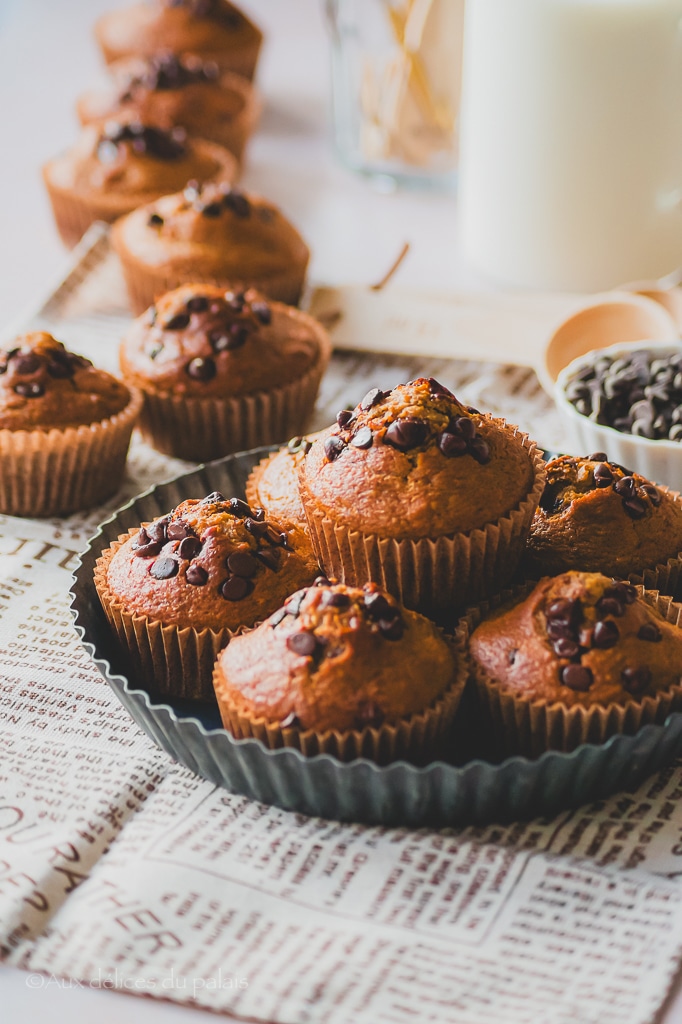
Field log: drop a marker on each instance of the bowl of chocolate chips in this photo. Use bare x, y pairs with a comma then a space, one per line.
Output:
627, 400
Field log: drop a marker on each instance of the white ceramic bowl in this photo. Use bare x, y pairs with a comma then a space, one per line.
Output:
659, 461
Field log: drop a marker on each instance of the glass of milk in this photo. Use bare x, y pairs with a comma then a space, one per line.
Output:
571, 141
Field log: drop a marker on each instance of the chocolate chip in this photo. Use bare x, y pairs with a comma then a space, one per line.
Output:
565, 610
363, 438
333, 446
239, 335
147, 550
178, 322
196, 575
197, 304
480, 450
437, 389
635, 508
598, 457
610, 606
451, 445
237, 203
605, 634
214, 498
463, 426
239, 508
304, 644
556, 628
291, 721
242, 563
635, 679
652, 493
212, 210
201, 369
158, 530
59, 370
623, 592
262, 311
626, 487
372, 398
258, 514
26, 363
255, 528
378, 607
649, 631
565, 647
155, 220
178, 530
345, 417
577, 677
603, 477
189, 548
164, 568
29, 389
236, 588
406, 433
392, 629
269, 558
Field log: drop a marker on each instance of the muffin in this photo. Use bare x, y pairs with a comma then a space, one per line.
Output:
175, 590
166, 90
273, 483
598, 516
581, 657
422, 495
215, 29
223, 371
65, 429
213, 234
343, 671
121, 164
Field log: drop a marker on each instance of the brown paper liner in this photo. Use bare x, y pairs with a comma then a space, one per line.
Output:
201, 429
418, 738
168, 660
438, 577
145, 284
530, 727
56, 472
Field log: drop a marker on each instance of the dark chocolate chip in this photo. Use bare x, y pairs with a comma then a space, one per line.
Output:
603, 477
451, 445
256, 528
26, 362
197, 304
196, 575
158, 530
239, 335
212, 210
605, 634
610, 606
164, 568
372, 398
344, 417
201, 369
557, 628
236, 588
598, 457
30, 389
333, 446
464, 426
178, 322
262, 311
242, 563
239, 508
565, 610
392, 629
636, 679
439, 390
577, 677
258, 514
652, 493
178, 530
635, 508
59, 369
189, 548
334, 599
269, 558
406, 433
565, 647
649, 631
480, 450
379, 608
237, 203
304, 644
623, 592
155, 220
363, 438
214, 498
626, 487
147, 550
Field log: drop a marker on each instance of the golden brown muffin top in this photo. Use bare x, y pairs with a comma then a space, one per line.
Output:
124, 157
42, 386
598, 516
414, 462
213, 562
217, 227
201, 341
579, 638
336, 657
204, 26
273, 483
167, 89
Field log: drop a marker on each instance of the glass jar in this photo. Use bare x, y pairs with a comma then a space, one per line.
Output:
396, 73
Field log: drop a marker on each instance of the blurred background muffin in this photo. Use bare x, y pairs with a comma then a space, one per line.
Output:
223, 371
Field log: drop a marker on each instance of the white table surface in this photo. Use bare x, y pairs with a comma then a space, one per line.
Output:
47, 56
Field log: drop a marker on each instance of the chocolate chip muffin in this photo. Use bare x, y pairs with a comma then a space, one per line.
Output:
344, 671
273, 483
175, 590
223, 371
117, 166
65, 428
429, 498
214, 234
581, 657
215, 29
167, 90
598, 516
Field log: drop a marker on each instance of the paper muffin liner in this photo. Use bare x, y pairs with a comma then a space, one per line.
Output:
56, 472
168, 660
521, 725
251, 485
74, 213
419, 738
438, 577
202, 429
145, 284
